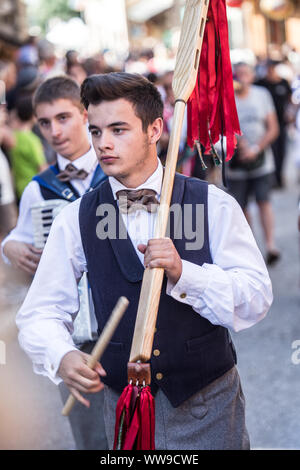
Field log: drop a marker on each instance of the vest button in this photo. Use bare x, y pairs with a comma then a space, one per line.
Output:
156, 352
159, 376
183, 296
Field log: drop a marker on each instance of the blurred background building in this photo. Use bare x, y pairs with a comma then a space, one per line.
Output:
260, 27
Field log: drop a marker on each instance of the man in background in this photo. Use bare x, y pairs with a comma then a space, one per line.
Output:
280, 91
251, 170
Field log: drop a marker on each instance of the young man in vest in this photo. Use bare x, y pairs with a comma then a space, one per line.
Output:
221, 284
63, 122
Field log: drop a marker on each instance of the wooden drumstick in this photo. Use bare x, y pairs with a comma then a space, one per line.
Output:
101, 344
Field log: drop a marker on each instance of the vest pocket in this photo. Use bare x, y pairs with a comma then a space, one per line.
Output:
202, 342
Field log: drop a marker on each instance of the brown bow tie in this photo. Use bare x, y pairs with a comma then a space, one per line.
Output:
71, 173
132, 200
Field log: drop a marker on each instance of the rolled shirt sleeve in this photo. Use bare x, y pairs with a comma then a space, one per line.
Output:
235, 291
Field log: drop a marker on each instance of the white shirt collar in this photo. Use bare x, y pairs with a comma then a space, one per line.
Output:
87, 162
153, 182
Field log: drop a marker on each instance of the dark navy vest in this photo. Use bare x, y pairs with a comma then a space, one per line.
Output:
193, 352
52, 188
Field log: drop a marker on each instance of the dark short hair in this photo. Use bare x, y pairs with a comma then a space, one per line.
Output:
24, 108
135, 88
61, 87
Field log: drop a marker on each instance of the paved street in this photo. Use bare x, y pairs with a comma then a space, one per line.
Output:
30, 405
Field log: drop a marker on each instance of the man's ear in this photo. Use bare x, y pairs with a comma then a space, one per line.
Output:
85, 116
155, 130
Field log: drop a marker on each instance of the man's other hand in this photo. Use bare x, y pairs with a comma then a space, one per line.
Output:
23, 255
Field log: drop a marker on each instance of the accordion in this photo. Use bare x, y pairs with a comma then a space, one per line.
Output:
85, 324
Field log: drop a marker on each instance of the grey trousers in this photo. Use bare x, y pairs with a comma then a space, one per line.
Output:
87, 423
212, 419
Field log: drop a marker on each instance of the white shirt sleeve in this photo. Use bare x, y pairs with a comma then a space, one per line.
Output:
6, 186
23, 231
45, 320
235, 291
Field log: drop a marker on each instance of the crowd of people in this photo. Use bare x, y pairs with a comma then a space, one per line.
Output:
267, 103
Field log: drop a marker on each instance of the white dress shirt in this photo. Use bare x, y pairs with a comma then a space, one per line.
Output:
23, 232
235, 291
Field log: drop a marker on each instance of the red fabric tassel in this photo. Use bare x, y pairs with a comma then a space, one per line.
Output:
135, 420
146, 436
123, 414
211, 106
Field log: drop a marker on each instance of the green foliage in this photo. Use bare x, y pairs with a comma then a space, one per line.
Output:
42, 11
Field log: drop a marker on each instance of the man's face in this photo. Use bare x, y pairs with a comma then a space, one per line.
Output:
244, 75
77, 73
123, 149
167, 84
64, 126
